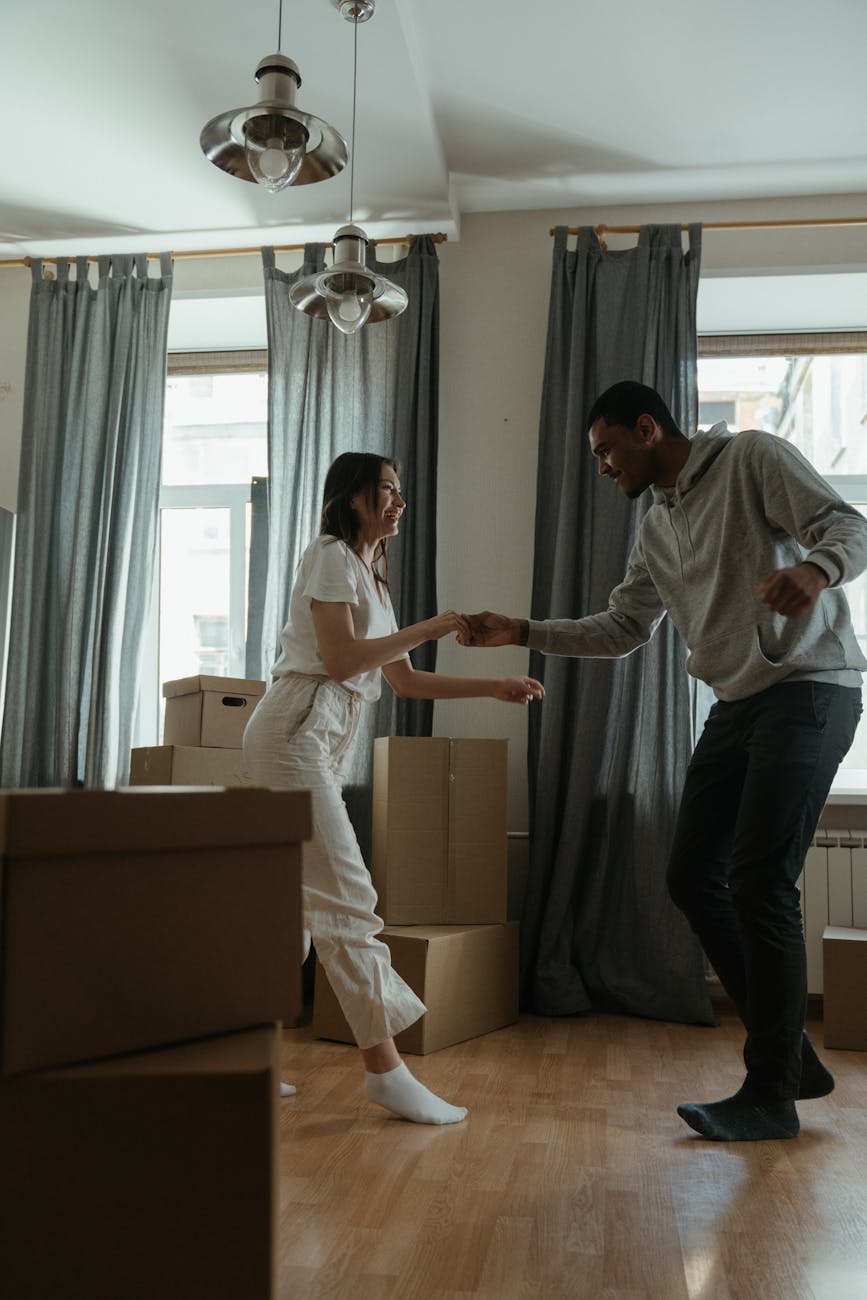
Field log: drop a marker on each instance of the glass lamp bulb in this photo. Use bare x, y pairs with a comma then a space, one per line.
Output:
348, 310
275, 149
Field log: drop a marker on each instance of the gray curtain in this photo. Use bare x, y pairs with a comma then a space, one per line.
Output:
257, 576
608, 749
87, 517
377, 391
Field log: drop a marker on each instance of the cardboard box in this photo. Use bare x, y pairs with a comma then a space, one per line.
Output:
439, 830
133, 919
184, 765
844, 953
466, 975
144, 1177
209, 711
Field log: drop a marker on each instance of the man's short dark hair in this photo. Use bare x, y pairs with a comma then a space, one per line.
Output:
623, 403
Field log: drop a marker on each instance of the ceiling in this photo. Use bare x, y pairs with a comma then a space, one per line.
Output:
464, 106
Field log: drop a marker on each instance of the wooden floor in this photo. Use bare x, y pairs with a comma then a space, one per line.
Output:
572, 1176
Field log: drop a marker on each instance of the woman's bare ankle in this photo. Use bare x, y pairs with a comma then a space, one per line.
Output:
381, 1058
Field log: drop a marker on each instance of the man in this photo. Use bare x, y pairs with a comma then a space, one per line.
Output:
744, 547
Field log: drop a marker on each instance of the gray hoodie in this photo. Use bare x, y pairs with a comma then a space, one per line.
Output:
743, 505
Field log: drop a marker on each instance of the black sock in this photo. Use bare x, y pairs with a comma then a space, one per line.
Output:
744, 1117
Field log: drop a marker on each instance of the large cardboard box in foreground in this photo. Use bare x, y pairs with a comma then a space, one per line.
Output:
844, 953
147, 1177
466, 975
133, 919
439, 830
184, 765
210, 711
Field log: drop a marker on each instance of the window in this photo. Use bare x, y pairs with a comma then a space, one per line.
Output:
811, 390
214, 444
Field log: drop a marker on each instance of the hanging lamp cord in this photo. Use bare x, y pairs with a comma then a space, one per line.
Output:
354, 85
280, 28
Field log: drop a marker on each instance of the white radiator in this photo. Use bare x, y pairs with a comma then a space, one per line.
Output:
833, 888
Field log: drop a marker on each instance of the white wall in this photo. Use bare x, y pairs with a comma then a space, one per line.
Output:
494, 303
14, 299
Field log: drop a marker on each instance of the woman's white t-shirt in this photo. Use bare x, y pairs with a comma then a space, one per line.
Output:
331, 571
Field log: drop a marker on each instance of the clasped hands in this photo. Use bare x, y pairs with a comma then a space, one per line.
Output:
485, 629
488, 629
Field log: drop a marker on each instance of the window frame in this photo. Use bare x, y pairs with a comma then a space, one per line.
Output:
236, 497
851, 487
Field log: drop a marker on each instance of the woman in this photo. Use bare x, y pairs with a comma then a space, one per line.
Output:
340, 637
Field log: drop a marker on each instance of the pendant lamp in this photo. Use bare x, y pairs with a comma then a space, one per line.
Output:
273, 143
349, 293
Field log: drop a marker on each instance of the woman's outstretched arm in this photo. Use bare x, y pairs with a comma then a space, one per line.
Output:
345, 656
414, 684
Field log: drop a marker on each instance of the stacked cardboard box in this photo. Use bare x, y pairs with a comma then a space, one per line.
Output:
202, 734
439, 868
150, 947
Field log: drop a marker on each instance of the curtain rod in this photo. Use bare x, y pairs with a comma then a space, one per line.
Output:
438, 238
781, 224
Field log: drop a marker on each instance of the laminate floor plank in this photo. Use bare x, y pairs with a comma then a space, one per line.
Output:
572, 1177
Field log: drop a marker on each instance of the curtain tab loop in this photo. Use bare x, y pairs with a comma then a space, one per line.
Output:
314, 258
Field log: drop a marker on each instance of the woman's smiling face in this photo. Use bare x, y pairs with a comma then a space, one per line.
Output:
379, 516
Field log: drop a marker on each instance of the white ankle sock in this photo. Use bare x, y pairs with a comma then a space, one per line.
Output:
400, 1092
288, 1090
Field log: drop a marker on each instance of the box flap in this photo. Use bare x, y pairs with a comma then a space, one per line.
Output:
148, 818
429, 933
228, 686
844, 932
249, 1051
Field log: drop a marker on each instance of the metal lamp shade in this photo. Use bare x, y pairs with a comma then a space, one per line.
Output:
224, 138
349, 274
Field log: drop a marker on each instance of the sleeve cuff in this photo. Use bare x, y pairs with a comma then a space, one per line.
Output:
831, 570
537, 634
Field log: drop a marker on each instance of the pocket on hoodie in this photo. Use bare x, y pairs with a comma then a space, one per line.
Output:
776, 639
721, 658
790, 642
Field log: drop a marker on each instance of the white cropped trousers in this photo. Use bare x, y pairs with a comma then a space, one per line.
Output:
299, 738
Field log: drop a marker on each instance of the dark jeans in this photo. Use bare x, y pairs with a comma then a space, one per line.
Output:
754, 791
